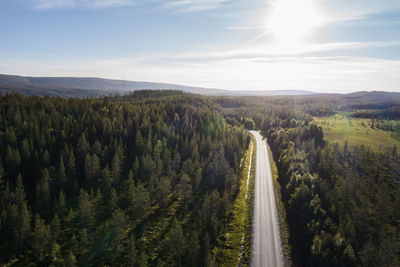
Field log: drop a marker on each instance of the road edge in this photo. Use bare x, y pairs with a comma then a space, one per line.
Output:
283, 226
237, 234
250, 204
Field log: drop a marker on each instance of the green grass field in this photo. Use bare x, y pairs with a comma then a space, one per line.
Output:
339, 128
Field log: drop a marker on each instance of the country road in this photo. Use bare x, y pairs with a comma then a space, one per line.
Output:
266, 243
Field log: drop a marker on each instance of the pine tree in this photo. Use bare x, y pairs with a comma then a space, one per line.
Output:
143, 260
135, 168
70, 259
97, 149
46, 159
184, 187
193, 257
62, 204
119, 226
55, 227
87, 167
62, 175
175, 243
139, 202
41, 238
106, 180
20, 196
116, 166
43, 193
95, 168
113, 203
55, 255
23, 226
83, 245
131, 255
157, 158
71, 167
1, 173
85, 210
164, 189
12, 159
83, 147
92, 170
99, 205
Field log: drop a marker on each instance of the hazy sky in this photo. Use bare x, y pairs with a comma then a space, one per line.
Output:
319, 45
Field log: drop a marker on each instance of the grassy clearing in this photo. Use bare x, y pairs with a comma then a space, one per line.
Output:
284, 230
241, 218
355, 131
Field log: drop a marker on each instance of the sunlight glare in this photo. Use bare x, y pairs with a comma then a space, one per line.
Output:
293, 21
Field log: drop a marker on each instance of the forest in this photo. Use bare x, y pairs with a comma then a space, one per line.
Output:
115, 182
151, 179
342, 202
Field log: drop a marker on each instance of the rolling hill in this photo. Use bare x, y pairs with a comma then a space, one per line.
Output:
87, 86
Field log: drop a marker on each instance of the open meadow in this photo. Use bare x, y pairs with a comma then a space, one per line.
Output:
356, 131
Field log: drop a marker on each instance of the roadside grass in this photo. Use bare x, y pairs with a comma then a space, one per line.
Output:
356, 131
248, 226
283, 227
240, 219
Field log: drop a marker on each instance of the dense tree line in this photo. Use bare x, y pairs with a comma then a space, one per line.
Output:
342, 203
133, 181
392, 113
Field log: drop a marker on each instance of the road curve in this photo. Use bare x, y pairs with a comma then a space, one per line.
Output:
266, 243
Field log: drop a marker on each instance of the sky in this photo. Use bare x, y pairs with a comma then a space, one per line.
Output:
318, 45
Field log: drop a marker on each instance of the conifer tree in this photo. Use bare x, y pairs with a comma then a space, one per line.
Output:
41, 238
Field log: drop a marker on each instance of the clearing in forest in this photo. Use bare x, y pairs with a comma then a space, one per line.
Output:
355, 131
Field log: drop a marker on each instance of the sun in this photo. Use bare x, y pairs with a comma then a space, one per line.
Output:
292, 21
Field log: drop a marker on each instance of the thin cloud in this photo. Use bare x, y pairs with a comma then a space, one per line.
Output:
89, 4
179, 6
357, 10
271, 52
182, 6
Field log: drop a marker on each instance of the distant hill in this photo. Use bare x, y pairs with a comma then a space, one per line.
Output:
373, 97
83, 87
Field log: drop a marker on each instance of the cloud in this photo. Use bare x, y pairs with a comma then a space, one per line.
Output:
270, 52
178, 6
193, 5
357, 10
89, 4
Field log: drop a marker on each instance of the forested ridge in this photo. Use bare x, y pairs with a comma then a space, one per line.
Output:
133, 181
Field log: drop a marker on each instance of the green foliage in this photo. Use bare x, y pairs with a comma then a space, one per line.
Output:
340, 200
283, 226
249, 124
248, 223
239, 226
155, 179
141, 180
